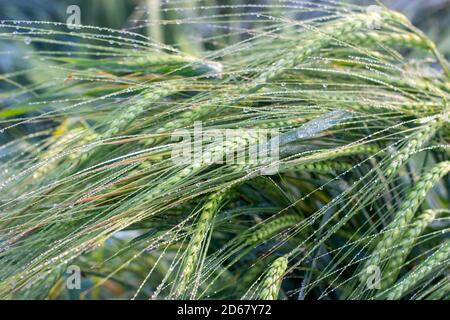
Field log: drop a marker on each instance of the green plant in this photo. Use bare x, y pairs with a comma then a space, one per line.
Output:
88, 176
272, 280
396, 229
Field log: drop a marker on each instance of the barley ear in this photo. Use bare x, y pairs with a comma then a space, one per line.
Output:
398, 257
437, 259
271, 283
416, 141
414, 199
324, 167
270, 228
199, 240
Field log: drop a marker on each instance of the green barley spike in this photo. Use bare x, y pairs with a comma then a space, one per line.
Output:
323, 167
199, 238
268, 229
292, 58
271, 283
406, 39
125, 118
59, 145
338, 31
416, 141
406, 212
405, 245
208, 157
436, 260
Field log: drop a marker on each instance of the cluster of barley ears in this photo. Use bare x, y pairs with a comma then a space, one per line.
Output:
361, 190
